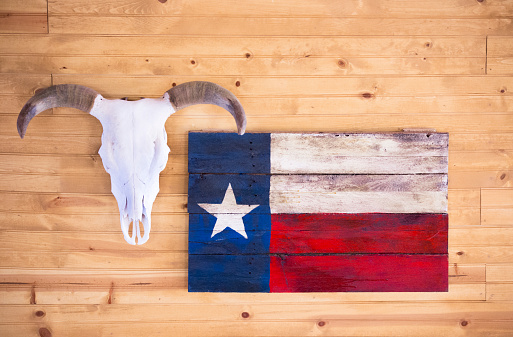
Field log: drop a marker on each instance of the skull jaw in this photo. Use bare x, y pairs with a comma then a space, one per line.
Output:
136, 230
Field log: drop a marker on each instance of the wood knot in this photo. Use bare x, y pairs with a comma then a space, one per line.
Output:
40, 313
464, 323
460, 253
248, 55
342, 63
174, 84
193, 62
503, 176
367, 95
321, 323
44, 332
162, 1
428, 45
245, 314
237, 84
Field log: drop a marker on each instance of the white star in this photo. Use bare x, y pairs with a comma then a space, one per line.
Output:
228, 213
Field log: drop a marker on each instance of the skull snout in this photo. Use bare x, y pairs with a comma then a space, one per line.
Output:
135, 231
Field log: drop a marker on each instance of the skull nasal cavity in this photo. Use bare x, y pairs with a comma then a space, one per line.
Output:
132, 229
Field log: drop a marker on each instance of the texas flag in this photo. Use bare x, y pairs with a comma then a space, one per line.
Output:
318, 212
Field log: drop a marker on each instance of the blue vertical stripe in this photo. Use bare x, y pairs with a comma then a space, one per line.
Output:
228, 262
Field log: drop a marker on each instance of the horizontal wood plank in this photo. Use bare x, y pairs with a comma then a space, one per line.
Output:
80, 203
140, 260
155, 86
359, 233
85, 126
274, 26
410, 273
288, 8
494, 145
24, 6
90, 295
499, 55
241, 66
277, 48
359, 153
83, 223
354, 327
356, 194
23, 23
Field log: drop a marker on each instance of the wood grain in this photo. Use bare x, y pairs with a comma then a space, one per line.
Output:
275, 26
324, 8
301, 66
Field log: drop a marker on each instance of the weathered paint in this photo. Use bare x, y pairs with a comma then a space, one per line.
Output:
316, 223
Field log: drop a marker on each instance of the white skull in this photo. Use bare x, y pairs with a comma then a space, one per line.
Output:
134, 141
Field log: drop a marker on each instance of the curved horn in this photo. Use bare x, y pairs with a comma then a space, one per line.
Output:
62, 95
199, 92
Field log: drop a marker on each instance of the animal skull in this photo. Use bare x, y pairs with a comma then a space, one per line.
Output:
134, 141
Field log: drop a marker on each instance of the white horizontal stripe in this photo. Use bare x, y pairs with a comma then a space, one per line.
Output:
391, 153
345, 194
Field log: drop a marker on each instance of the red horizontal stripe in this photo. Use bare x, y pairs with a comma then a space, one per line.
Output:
359, 233
353, 273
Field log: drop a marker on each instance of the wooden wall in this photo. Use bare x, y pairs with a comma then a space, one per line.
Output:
297, 65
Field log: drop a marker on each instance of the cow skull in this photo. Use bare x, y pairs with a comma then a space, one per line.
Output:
134, 141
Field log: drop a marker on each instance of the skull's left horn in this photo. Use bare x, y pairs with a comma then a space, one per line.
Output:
199, 92
62, 95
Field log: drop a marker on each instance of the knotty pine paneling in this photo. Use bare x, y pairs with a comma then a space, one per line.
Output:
297, 66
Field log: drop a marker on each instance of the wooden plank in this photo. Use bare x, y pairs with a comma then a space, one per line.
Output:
359, 153
23, 84
499, 55
497, 207
499, 273
275, 26
83, 280
80, 183
67, 203
71, 164
71, 294
161, 222
359, 233
23, 23
354, 327
83, 125
469, 254
140, 260
321, 106
89, 145
481, 160
260, 312
154, 86
240, 66
480, 141
480, 236
357, 194
496, 198
246, 47
288, 8
496, 292
300, 273
361, 145
24, 6
463, 198
94, 241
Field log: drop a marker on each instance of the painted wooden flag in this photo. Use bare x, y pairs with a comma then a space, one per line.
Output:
318, 212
